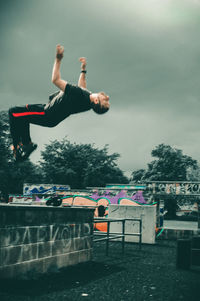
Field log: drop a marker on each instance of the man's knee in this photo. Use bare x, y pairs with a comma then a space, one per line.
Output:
11, 111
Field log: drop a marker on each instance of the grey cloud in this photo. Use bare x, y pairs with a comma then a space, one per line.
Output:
146, 57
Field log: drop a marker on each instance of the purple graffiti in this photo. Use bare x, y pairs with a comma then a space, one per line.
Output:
97, 195
137, 197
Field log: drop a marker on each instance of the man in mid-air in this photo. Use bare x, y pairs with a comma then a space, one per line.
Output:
70, 99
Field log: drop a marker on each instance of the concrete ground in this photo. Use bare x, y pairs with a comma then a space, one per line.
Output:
139, 275
186, 225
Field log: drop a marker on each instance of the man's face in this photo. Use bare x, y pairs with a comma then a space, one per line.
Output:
103, 100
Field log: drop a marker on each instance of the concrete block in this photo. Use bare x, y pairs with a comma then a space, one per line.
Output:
50, 264
195, 257
38, 239
146, 213
63, 260
74, 258
83, 256
183, 254
43, 234
23, 235
22, 270
76, 244
60, 231
61, 246
7, 272
174, 234
45, 249
81, 243
88, 242
196, 242
11, 255
86, 229
16, 254
29, 252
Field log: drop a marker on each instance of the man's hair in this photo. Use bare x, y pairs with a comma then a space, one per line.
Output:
97, 108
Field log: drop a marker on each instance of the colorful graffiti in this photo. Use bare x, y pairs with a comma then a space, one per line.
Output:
18, 199
175, 188
81, 200
127, 186
30, 189
115, 195
99, 198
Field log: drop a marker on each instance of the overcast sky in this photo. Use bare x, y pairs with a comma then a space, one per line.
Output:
145, 54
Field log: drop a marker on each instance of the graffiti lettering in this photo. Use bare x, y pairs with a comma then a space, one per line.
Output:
30, 243
174, 188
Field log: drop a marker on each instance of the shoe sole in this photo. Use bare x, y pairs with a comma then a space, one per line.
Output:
27, 154
25, 157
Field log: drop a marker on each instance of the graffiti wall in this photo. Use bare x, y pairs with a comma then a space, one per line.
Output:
174, 188
104, 198
116, 195
91, 196
18, 199
30, 189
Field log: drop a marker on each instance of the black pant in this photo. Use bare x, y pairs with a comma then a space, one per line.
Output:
21, 117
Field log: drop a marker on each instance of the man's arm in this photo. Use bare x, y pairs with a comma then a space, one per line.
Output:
56, 77
82, 78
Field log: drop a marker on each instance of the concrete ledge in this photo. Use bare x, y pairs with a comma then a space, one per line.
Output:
45, 265
174, 234
38, 239
30, 215
146, 213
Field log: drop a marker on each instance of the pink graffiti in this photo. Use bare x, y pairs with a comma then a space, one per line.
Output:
137, 197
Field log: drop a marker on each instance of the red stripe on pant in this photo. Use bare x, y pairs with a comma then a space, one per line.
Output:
27, 113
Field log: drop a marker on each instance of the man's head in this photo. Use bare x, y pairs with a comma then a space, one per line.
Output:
100, 102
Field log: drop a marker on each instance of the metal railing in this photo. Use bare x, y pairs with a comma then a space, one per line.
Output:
107, 236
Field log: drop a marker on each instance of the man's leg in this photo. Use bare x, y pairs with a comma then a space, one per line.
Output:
20, 119
16, 125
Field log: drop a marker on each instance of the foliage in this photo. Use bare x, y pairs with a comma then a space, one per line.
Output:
138, 175
80, 165
170, 165
12, 175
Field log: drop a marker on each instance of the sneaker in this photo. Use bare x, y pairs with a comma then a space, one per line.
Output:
26, 150
16, 153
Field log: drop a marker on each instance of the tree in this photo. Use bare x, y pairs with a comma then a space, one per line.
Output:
170, 165
4, 154
23, 172
12, 175
138, 175
80, 165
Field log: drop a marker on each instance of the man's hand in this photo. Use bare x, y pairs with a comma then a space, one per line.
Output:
59, 52
83, 63
56, 77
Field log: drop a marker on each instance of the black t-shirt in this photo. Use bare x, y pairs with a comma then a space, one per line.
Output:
73, 100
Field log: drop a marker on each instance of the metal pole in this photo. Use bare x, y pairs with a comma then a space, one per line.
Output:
123, 233
140, 241
198, 214
107, 241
